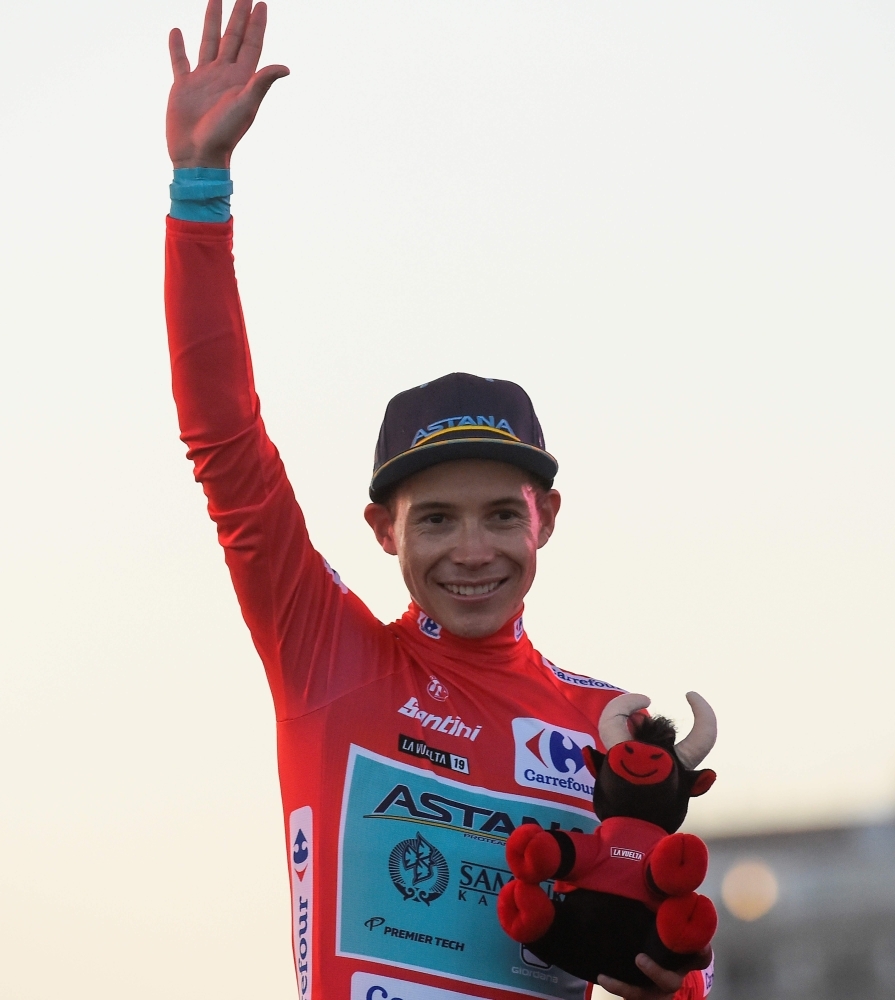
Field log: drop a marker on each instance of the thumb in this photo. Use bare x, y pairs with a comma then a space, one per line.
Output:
262, 81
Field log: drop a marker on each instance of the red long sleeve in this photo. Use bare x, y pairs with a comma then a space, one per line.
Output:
300, 622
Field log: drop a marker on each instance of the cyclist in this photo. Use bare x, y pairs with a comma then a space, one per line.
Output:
407, 752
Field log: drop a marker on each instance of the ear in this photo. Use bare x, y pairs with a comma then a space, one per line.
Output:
379, 517
548, 508
702, 782
636, 720
593, 760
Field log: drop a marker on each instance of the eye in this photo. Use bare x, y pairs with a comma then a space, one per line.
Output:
655, 756
435, 519
629, 749
506, 515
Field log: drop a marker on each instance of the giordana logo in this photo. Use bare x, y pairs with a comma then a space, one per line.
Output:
550, 757
301, 854
626, 853
428, 626
436, 689
301, 833
579, 680
450, 725
466, 421
530, 958
418, 870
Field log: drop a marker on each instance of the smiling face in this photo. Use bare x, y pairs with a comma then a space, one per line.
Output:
466, 534
640, 763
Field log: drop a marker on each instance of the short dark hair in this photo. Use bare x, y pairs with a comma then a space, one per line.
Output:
542, 488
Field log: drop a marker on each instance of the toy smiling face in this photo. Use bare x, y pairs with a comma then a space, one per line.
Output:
644, 773
645, 782
640, 763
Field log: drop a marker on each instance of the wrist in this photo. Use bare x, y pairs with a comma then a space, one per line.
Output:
201, 194
212, 162
216, 159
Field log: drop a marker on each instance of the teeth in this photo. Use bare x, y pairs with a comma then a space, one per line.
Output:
467, 590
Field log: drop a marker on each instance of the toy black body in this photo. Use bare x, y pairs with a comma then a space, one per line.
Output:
598, 932
629, 887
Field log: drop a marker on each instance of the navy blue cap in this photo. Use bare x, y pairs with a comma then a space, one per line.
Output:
458, 416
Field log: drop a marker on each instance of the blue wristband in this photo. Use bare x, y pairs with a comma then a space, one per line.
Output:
201, 194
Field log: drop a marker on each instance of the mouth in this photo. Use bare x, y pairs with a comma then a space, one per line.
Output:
634, 774
472, 589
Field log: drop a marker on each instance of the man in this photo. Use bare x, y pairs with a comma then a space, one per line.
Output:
408, 753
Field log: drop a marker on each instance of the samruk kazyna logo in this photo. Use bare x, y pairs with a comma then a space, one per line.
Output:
418, 870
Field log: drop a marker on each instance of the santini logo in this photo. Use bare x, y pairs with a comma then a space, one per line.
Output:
550, 757
623, 852
448, 724
436, 689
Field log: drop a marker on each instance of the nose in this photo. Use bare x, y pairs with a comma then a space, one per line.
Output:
473, 548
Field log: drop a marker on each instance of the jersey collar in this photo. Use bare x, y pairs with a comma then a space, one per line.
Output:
508, 643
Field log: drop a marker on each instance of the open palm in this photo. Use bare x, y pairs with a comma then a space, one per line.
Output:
211, 107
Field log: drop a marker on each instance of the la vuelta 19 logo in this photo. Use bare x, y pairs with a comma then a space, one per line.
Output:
551, 758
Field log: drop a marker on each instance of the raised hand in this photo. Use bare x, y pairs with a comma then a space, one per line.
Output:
211, 107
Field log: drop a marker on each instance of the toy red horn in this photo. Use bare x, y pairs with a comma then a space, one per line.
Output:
694, 748
613, 727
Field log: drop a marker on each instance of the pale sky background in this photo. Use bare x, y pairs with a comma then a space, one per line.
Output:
674, 224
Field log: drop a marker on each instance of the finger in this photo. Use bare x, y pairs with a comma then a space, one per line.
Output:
254, 92
211, 33
250, 50
236, 27
262, 81
179, 62
703, 958
616, 987
667, 981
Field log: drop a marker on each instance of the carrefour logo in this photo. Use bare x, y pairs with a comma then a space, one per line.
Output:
551, 757
580, 680
301, 832
301, 854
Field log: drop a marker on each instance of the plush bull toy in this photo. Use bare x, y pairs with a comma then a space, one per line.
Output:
629, 886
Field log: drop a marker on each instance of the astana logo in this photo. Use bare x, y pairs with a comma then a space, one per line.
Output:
418, 870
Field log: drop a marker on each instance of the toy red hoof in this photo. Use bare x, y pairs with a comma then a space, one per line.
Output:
532, 854
678, 863
524, 911
686, 923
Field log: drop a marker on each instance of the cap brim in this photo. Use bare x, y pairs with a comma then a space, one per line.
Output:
424, 456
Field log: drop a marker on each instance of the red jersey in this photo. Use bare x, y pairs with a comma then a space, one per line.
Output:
614, 859
407, 755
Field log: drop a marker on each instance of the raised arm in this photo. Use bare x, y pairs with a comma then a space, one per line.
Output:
310, 631
210, 108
